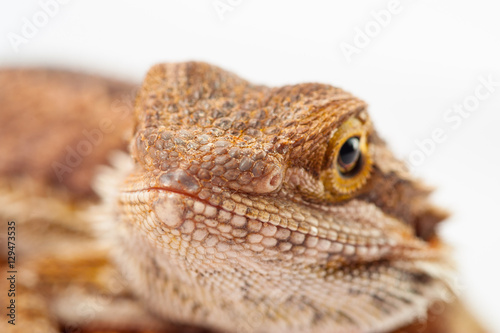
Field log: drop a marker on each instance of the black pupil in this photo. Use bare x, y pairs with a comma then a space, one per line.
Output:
349, 153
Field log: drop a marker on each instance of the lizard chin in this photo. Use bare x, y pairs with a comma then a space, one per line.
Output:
196, 262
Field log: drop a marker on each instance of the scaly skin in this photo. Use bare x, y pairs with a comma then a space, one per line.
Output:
231, 214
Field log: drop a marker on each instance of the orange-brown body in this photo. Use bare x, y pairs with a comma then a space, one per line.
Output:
68, 278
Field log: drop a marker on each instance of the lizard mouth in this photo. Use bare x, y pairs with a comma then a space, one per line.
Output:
272, 226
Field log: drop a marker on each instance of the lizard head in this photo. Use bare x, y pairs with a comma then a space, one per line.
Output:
272, 209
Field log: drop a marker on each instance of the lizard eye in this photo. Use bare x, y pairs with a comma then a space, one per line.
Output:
349, 156
348, 161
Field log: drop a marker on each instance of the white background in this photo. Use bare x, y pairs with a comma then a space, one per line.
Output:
429, 57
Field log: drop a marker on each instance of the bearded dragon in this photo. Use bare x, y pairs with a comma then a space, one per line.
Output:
200, 201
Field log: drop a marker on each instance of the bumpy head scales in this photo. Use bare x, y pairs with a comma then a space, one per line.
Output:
276, 209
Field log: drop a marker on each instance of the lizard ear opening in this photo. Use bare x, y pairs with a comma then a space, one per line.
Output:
349, 163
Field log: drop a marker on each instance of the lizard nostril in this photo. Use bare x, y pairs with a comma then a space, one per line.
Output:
268, 183
275, 180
